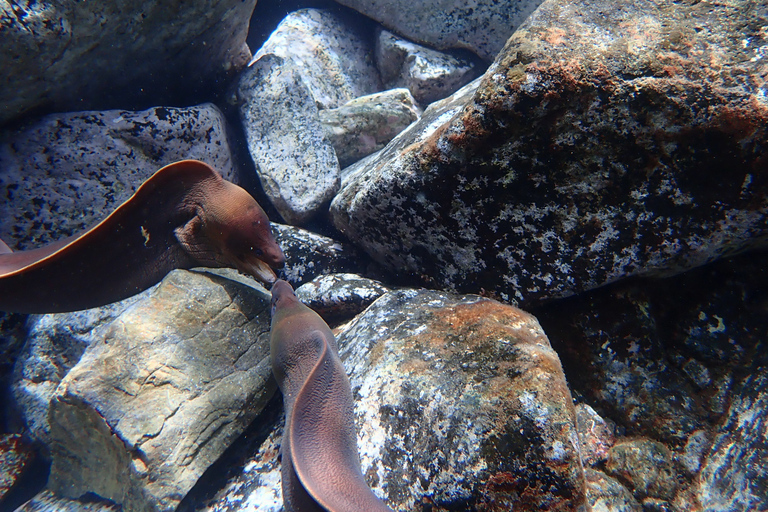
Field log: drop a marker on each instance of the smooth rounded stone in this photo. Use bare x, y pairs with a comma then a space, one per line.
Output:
331, 55
596, 435
54, 344
71, 55
15, 458
179, 376
308, 255
733, 476
601, 144
461, 403
366, 124
482, 26
430, 75
46, 501
644, 464
66, 172
336, 296
296, 164
606, 494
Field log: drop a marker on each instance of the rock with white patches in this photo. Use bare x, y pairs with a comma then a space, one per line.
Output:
308, 255
613, 140
339, 296
430, 75
312, 61
461, 403
66, 172
481, 26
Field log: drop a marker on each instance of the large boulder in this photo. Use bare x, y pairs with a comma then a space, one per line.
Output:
609, 139
70, 55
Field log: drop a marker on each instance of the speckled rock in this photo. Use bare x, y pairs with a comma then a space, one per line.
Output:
178, 378
53, 345
15, 458
70, 55
607, 494
609, 139
312, 60
337, 296
66, 172
482, 26
47, 501
461, 402
645, 465
733, 475
308, 255
366, 124
429, 75
618, 357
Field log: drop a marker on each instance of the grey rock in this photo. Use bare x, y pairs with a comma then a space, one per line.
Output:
46, 501
366, 124
54, 344
644, 464
733, 476
429, 75
482, 26
459, 399
331, 55
459, 403
582, 158
308, 255
145, 412
606, 494
296, 163
72, 55
312, 60
66, 172
693, 451
338, 296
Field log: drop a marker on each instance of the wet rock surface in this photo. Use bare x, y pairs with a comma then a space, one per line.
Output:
72, 55
337, 296
66, 172
178, 378
586, 155
482, 26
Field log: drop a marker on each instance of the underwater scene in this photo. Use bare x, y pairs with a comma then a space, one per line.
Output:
370, 256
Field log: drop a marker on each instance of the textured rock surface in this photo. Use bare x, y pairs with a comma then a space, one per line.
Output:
54, 344
733, 476
312, 60
179, 376
15, 457
72, 55
587, 155
460, 404
46, 501
66, 172
482, 26
646, 465
429, 75
366, 124
606, 494
336, 296
308, 255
